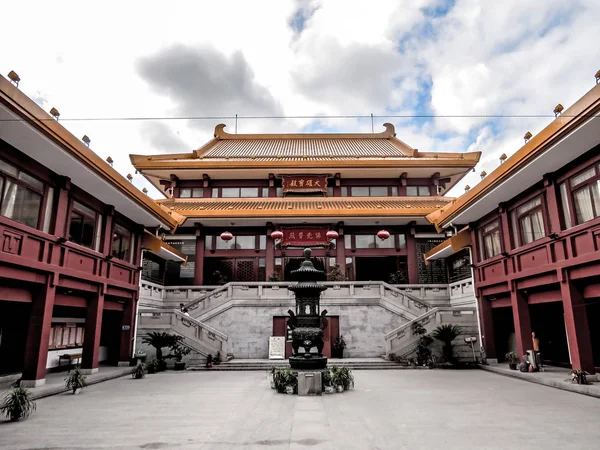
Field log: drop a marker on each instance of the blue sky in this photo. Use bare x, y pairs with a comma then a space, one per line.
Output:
289, 58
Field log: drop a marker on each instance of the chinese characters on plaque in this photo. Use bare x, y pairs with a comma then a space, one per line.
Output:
304, 183
304, 237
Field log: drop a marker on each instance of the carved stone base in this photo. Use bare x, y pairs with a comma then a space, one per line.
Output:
313, 363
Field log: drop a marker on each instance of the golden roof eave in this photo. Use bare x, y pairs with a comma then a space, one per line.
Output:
26, 108
578, 113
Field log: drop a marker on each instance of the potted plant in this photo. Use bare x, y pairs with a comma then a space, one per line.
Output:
139, 371
578, 376
512, 359
341, 378
274, 277
336, 274
178, 351
285, 380
217, 360
153, 366
337, 349
447, 333
159, 341
17, 404
327, 386
76, 381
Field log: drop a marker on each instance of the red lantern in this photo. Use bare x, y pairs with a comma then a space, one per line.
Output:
331, 235
226, 236
383, 234
277, 235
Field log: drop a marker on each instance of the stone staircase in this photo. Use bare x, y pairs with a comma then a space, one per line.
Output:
403, 343
265, 365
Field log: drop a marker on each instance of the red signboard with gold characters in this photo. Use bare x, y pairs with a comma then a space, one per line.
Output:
304, 183
304, 237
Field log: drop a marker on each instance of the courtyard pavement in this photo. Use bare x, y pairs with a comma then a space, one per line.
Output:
388, 409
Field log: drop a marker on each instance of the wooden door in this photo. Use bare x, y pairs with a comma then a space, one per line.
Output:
245, 270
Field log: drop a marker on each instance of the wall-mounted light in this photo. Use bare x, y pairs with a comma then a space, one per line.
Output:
110, 161
558, 109
54, 113
527, 137
12, 75
129, 177
503, 157
483, 174
86, 140
145, 191
467, 188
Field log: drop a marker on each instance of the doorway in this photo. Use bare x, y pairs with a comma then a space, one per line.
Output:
375, 268
219, 271
548, 323
331, 333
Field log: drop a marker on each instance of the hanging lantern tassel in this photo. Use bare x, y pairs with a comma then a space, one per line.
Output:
331, 235
383, 234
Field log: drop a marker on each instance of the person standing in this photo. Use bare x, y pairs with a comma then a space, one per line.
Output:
536, 351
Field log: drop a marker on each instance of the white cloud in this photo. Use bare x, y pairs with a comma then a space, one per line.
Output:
342, 57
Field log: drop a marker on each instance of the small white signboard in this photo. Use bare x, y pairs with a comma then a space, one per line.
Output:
277, 347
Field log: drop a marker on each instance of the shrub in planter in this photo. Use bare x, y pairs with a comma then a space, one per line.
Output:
512, 359
578, 376
17, 404
76, 381
217, 360
284, 377
337, 349
153, 366
342, 377
139, 371
178, 351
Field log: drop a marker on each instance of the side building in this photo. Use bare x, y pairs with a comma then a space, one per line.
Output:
72, 233
533, 228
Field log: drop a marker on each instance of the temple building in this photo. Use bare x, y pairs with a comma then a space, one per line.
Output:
248, 203
72, 231
533, 228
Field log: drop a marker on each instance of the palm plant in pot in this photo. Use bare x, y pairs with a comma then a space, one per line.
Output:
159, 341
447, 333
76, 381
17, 404
512, 359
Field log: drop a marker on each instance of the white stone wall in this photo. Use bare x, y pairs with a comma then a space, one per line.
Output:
249, 328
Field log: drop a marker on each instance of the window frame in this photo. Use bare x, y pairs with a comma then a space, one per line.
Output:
346, 191
586, 184
41, 191
218, 190
96, 238
128, 256
193, 191
515, 218
418, 188
483, 234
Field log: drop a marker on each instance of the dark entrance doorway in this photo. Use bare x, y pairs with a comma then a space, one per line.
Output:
375, 268
331, 333
504, 331
14, 322
548, 323
294, 264
222, 270
593, 316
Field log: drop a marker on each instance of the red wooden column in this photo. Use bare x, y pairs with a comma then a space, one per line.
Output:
91, 338
487, 327
38, 335
411, 255
127, 330
520, 309
340, 249
552, 203
62, 207
269, 252
199, 263
576, 324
